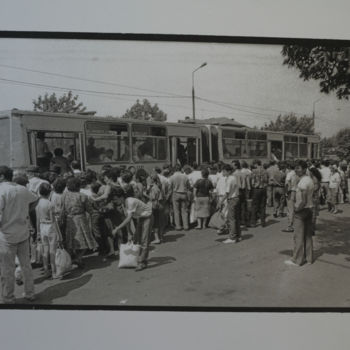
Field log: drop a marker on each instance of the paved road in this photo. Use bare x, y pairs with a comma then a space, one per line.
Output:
195, 269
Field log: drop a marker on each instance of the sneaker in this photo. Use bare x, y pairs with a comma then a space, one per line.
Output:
290, 263
141, 267
335, 212
289, 229
229, 240
156, 241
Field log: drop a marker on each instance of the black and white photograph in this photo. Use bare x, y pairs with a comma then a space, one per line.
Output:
169, 173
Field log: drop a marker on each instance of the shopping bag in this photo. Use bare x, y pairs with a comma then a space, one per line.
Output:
128, 255
63, 262
193, 217
36, 253
19, 275
217, 220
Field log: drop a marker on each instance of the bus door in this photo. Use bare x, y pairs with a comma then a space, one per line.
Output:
42, 146
186, 150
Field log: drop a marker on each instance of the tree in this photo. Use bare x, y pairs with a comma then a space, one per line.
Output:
64, 104
291, 123
329, 65
338, 144
145, 111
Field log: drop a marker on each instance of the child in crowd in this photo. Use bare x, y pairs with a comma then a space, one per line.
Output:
47, 229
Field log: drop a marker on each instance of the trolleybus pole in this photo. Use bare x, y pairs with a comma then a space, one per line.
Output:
193, 95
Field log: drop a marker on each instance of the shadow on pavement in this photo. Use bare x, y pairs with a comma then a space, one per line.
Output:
159, 261
271, 222
248, 236
91, 263
332, 237
173, 237
60, 290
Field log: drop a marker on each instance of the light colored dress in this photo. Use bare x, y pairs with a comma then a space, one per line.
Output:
75, 206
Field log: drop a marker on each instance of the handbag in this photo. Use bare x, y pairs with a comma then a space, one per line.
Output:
217, 220
128, 255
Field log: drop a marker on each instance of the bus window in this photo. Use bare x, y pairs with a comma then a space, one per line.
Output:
291, 147
214, 144
303, 147
46, 142
149, 143
257, 144
106, 143
205, 145
233, 143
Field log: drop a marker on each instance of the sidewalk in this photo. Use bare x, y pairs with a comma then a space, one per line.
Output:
195, 269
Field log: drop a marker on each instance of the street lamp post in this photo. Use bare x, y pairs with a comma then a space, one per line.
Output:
313, 112
193, 95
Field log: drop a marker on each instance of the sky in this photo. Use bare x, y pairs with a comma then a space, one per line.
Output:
247, 82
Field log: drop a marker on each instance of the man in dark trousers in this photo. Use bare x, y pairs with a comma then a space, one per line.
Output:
303, 227
259, 182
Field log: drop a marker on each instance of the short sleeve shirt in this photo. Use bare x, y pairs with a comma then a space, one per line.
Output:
305, 184
14, 212
203, 186
232, 187
137, 208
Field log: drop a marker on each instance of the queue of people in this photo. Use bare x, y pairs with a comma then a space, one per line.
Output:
87, 212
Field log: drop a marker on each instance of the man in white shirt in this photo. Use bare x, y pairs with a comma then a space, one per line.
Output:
233, 206
303, 228
194, 175
14, 235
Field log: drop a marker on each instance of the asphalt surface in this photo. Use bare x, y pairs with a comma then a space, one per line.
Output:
195, 268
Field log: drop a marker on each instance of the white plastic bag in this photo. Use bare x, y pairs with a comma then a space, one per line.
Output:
128, 255
193, 217
19, 275
63, 262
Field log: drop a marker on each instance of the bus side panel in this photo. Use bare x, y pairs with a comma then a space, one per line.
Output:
5, 141
20, 147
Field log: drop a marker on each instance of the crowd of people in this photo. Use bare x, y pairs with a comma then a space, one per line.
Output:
87, 212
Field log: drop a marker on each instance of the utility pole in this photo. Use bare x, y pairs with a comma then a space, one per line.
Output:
193, 93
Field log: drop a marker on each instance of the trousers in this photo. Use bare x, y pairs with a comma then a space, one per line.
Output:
303, 230
278, 200
234, 218
8, 253
142, 237
180, 206
290, 208
258, 205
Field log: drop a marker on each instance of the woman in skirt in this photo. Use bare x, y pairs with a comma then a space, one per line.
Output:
202, 194
78, 236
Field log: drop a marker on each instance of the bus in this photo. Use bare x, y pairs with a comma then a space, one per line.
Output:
228, 140
97, 141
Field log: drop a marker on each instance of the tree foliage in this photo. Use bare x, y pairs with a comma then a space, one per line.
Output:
329, 65
291, 123
145, 111
64, 104
338, 144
